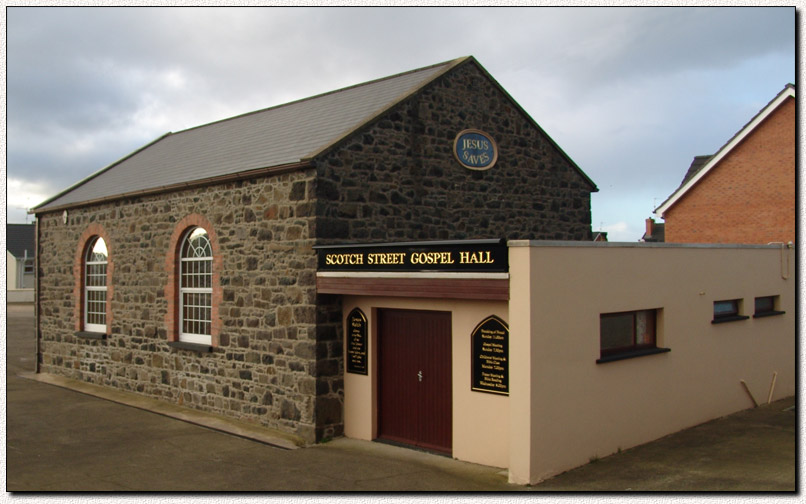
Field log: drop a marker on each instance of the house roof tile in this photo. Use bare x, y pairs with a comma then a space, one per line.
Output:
21, 238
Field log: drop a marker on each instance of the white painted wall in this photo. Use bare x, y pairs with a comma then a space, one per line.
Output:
569, 409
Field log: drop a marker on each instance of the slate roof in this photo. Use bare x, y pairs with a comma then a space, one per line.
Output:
276, 136
701, 165
696, 165
19, 238
658, 233
282, 137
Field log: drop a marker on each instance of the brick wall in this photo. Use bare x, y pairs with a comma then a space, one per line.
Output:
749, 197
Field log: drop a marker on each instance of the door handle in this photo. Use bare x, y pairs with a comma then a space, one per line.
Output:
420, 375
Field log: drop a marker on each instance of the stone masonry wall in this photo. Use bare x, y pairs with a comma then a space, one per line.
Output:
398, 179
265, 368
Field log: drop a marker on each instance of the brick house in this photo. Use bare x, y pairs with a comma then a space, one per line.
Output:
186, 272
745, 193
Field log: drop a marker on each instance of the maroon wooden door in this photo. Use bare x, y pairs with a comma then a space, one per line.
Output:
414, 378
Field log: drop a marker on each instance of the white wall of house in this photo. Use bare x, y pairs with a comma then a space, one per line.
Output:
19, 286
567, 404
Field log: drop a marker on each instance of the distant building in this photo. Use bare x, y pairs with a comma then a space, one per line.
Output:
745, 193
655, 231
599, 236
20, 255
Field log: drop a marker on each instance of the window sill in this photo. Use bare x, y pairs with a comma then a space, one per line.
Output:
193, 347
90, 335
630, 355
768, 314
732, 318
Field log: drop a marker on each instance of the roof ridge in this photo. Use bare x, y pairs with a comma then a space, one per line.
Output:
448, 63
759, 117
447, 66
534, 123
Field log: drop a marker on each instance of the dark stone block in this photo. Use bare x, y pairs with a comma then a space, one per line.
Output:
327, 367
332, 228
289, 411
328, 411
327, 190
297, 191
378, 198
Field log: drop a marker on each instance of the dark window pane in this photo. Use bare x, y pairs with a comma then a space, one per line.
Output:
726, 308
616, 331
765, 304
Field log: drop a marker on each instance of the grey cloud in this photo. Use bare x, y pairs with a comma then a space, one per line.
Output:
78, 74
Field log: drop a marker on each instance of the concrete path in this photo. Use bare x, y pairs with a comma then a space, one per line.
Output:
63, 440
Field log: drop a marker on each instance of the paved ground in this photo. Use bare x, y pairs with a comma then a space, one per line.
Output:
62, 440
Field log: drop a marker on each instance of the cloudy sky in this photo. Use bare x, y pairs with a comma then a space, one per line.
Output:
631, 94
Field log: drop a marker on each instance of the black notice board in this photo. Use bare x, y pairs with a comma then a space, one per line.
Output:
490, 349
357, 342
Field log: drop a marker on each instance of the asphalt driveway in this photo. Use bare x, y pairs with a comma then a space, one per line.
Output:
61, 440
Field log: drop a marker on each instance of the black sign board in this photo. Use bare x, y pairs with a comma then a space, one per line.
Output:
478, 256
490, 349
357, 342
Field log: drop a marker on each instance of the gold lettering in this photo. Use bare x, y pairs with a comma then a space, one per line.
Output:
342, 259
431, 258
482, 257
386, 258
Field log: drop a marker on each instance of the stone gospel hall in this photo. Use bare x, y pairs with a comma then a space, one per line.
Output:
186, 271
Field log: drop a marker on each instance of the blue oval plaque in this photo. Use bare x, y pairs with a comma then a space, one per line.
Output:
475, 149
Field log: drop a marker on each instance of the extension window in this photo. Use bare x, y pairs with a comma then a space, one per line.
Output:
630, 334
728, 311
766, 306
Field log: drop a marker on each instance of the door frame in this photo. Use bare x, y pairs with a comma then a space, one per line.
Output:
377, 337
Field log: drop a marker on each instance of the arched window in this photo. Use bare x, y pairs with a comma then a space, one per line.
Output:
196, 287
95, 286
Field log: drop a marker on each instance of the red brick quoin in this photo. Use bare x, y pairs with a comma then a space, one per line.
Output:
87, 236
172, 288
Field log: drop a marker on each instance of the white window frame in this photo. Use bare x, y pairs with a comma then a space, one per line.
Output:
195, 336
89, 265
